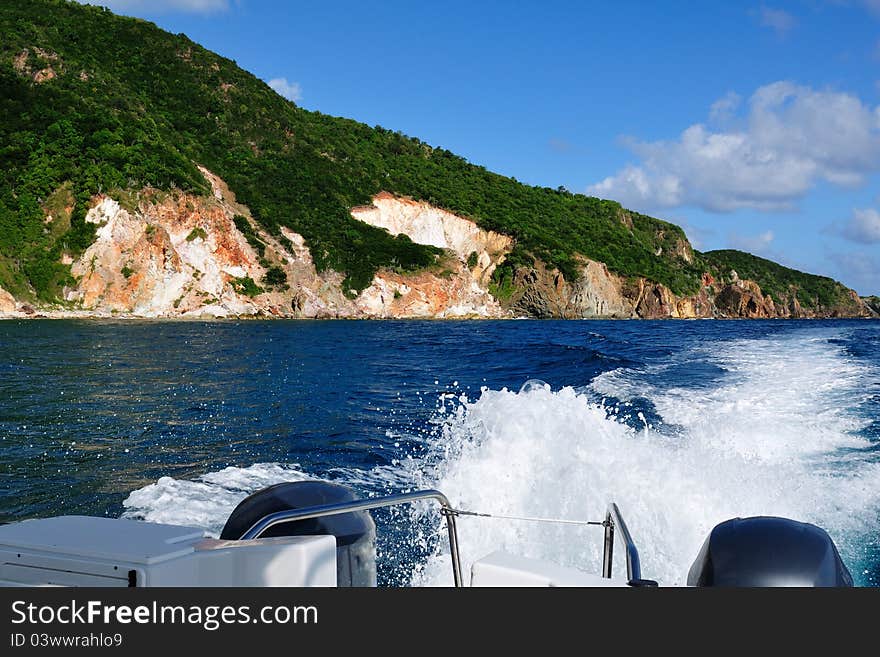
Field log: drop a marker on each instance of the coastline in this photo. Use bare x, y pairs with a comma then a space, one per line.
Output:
128, 317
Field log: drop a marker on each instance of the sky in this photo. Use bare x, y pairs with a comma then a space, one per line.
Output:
752, 125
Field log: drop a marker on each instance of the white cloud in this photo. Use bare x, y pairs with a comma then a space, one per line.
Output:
637, 188
753, 243
778, 20
791, 138
290, 90
161, 6
723, 109
862, 227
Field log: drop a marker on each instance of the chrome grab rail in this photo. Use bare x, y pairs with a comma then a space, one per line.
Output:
292, 515
614, 521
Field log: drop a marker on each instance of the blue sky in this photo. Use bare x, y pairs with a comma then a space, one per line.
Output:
753, 125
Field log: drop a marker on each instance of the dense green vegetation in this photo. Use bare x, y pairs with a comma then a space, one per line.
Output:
131, 105
780, 282
91, 102
247, 286
275, 277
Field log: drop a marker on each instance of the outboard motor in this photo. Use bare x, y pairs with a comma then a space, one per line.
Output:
355, 532
768, 551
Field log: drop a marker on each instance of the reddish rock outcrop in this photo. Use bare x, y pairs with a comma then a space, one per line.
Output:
543, 292
180, 255
744, 299
7, 303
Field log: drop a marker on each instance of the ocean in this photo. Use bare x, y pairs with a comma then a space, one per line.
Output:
683, 424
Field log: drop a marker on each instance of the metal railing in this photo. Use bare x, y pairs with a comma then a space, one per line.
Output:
293, 515
614, 523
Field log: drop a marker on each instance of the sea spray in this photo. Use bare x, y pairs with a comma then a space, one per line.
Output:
208, 500
773, 427
763, 442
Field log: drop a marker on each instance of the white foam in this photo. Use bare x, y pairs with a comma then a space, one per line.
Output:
207, 501
765, 440
762, 443
782, 397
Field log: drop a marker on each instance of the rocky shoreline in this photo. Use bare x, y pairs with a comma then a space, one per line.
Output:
161, 255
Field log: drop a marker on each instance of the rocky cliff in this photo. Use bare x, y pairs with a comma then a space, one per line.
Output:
872, 303
7, 303
425, 224
159, 254
597, 293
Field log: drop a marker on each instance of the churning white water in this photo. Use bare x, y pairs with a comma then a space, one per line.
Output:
207, 501
775, 434
766, 440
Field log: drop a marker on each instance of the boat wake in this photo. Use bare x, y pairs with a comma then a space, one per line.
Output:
771, 426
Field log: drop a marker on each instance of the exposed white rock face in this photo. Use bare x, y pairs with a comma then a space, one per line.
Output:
427, 295
421, 294
103, 212
172, 256
426, 224
179, 255
462, 291
301, 252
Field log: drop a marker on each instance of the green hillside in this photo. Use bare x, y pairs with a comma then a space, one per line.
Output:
780, 282
90, 102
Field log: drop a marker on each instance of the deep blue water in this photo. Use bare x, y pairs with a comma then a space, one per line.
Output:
685, 421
